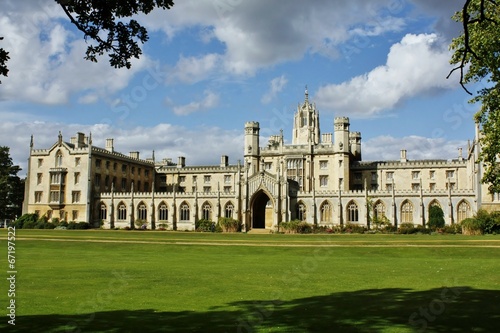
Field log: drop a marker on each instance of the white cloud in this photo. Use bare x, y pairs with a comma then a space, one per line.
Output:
257, 35
418, 64
209, 101
386, 148
46, 59
276, 86
194, 69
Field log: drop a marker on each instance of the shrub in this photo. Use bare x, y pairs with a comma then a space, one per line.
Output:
352, 228
452, 229
380, 221
26, 218
55, 221
141, 224
436, 218
472, 226
296, 227
82, 225
407, 228
229, 224
72, 225
204, 225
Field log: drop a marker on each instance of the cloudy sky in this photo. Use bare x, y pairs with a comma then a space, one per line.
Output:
212, 65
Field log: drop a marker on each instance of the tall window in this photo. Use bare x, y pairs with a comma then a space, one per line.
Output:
103, 212
301, 211
206, 179
55, 178
38, 196
77, 178
389, 175
229, 210
163, 212
379, 210
463, 211
323, 165
207, 211
54, 196
75, 196
415, 174
326, 212
295, 170
352, 212
184, 212
39, 178
323, 181
122, 212
59, 159
142, 212
407, 212
227, 179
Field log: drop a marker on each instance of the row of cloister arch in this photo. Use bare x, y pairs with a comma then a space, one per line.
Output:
141, 211
408, 212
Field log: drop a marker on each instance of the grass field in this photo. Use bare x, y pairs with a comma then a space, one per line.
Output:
132, 281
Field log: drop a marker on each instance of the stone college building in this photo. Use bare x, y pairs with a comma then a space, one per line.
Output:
319, 178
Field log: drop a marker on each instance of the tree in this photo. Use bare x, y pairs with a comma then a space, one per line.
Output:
103, 23
436, 217
476, 54
11, 187
4, 56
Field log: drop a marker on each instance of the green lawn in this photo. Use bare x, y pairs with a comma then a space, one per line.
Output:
132, 281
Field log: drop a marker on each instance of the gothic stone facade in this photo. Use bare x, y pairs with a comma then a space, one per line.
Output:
319, 178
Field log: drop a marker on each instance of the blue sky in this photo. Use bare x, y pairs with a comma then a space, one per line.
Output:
210, 66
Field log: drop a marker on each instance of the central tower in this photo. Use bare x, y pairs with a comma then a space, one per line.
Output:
306, 123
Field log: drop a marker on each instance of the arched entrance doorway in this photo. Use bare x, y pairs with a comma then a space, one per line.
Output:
262, 211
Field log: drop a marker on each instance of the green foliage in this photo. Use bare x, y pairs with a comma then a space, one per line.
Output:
204, 225
472, 226
380, 221
352, 228
26, 218
296, 227
476, 54
78, 225
4, 57
104, 22
229, 224
482, 223
11, 187
436, 218
141, 224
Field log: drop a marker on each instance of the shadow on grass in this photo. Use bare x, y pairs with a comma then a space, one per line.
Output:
454, 309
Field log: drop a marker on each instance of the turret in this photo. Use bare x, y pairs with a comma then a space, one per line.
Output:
252, 146
306, 123
355, 145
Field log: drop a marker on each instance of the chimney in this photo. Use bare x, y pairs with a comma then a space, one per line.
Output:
80, 140
134, 154
460, 156
109, 145
224, 161
181, 162
403, 156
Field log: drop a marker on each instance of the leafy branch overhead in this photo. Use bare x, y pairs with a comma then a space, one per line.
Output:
4, 56
102, 22
477, 54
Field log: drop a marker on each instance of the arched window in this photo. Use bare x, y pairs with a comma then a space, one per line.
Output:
229, 210
207, 211
142, 212
301, 211
326, 212
379, 210
122, 212
352, 212
103, 213
59, 158
184, 209
463, 211
163, 212
406, 212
